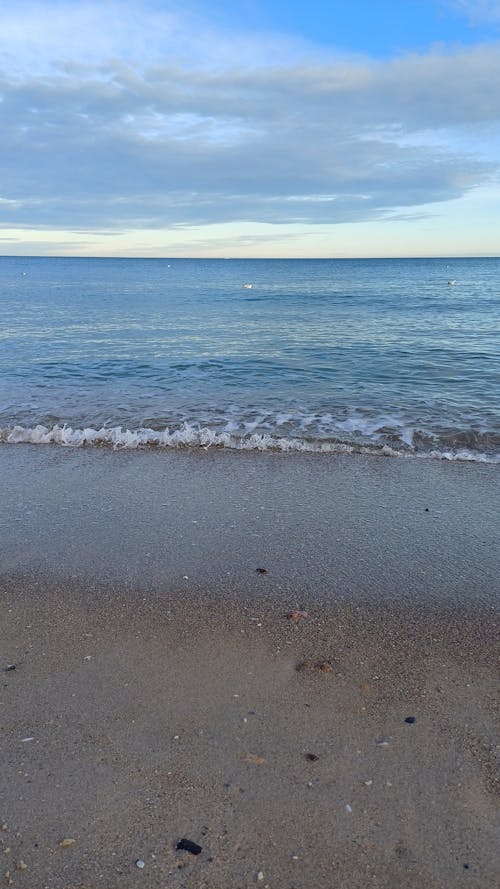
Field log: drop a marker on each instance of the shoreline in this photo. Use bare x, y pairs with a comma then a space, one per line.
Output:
197, 440
351, 527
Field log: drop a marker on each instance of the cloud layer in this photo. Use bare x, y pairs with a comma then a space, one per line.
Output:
148, 124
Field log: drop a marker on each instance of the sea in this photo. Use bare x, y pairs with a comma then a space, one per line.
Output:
398, 357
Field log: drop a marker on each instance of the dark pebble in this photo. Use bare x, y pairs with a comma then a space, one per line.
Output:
312, 757
189, 846
261, 570
411, 719
466, 867
9, 668
427, 509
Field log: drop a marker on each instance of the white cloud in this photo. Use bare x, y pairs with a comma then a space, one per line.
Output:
40, 36
478, 11
116, 130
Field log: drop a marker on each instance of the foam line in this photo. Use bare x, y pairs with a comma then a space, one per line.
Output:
188, 436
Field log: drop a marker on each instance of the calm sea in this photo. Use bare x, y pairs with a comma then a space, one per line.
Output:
398, 356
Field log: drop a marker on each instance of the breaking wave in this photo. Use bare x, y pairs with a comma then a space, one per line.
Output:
195, 436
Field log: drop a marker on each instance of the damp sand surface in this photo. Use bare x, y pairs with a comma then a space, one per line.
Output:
139, 714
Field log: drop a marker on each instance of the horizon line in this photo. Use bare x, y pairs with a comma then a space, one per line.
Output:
263, 258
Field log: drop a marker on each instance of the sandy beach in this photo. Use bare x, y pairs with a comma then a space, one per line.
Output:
155, 687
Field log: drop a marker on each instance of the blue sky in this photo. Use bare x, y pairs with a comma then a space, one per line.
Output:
147, 128
379, 28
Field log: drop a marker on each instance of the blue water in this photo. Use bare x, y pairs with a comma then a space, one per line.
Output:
316, 354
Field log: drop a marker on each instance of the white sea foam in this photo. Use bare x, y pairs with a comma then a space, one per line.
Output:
187, 436
463, 455
407, 436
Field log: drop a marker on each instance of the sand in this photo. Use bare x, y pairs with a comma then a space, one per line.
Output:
161, 687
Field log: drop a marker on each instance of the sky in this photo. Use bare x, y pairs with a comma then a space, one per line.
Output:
266, 128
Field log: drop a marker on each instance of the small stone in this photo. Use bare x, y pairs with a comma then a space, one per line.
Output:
368, 783
348, 808
411, 720
297, 616
319, 667
260, 876
261, 570
189, 846
312, 757
6, 850
253, 760
140, 863
382, 742
9, 668
21, 865
66, 842
5, 826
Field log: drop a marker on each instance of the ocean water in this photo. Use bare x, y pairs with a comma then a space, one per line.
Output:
399, 357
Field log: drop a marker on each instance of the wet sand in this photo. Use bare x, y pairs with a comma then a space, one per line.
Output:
163, 694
